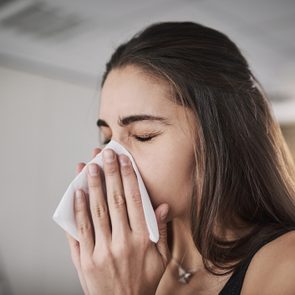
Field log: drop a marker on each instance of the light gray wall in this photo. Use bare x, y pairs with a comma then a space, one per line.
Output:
46, 127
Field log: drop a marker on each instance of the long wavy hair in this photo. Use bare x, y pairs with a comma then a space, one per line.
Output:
244, 172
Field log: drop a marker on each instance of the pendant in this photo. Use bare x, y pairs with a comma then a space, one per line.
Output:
183, 276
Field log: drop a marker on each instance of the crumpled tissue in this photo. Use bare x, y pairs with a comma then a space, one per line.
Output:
64, 214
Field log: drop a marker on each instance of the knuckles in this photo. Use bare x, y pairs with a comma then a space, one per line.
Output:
88, 265
122, 250
108, 256
100, 210
84, 227
118, 200
99, 261
142, 241
136, 198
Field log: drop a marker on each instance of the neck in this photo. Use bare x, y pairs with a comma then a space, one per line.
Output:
184, 251
182, 246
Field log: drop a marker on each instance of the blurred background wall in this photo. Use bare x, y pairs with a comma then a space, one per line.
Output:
52, 55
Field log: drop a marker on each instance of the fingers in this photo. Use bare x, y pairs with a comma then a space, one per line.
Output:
132, 195
75, 250
83, 222
75, 246
115, 195
75, 254
98, 206
81, 165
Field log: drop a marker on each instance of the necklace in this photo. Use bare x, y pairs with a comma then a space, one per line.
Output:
183, 275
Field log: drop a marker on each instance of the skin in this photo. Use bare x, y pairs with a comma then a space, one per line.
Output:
124, 252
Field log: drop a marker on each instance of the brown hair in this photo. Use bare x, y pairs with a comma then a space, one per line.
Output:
244, 170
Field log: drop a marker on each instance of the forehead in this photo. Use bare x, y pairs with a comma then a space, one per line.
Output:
129, 89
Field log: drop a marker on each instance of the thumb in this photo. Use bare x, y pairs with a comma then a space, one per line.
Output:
162, 246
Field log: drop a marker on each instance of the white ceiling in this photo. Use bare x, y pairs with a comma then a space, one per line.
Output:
72, 40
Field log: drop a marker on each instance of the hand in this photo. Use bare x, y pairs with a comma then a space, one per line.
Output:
115, 255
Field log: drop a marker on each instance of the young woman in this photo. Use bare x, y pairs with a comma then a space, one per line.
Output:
182, 100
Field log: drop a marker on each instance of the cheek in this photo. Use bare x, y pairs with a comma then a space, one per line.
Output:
168, 180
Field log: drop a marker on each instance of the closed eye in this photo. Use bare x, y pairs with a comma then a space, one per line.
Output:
144, 138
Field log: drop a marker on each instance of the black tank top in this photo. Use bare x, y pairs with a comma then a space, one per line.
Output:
234, 285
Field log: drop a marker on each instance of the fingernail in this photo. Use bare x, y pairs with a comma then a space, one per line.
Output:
124, 161
92, 169
108, 155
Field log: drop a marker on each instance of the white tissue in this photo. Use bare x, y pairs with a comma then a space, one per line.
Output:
64, 213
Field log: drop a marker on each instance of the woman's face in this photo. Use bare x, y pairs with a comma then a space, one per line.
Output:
135, 110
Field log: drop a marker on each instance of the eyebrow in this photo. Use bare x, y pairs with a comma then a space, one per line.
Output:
125, 121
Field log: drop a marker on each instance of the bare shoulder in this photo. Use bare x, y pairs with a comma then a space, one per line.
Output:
272, 269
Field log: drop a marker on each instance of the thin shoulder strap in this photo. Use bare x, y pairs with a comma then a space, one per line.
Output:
234, 285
